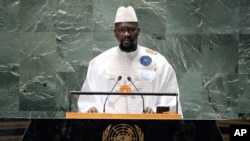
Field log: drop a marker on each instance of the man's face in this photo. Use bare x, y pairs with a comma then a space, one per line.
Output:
127, 33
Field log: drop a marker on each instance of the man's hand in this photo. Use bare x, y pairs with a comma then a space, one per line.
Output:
92, 110
148, 110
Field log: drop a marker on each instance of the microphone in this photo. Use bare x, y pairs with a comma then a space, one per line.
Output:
130, 80
118, 79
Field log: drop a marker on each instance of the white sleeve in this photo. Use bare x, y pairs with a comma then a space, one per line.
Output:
168, 84
87, 101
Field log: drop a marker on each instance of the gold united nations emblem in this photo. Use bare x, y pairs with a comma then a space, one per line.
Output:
122, 132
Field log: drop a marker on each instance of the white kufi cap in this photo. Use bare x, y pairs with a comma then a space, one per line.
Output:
124, 14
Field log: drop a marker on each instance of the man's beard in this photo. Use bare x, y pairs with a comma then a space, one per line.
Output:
128, 48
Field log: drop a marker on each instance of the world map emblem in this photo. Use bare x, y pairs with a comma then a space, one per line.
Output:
122, 132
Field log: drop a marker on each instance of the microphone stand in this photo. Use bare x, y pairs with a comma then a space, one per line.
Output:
130, 80
118, 79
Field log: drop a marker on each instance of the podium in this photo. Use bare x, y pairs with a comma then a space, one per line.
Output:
105, 129
75, 115
124, 126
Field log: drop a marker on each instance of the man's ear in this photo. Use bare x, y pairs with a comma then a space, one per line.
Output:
114, 33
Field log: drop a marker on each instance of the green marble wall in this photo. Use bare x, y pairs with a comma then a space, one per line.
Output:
46, 46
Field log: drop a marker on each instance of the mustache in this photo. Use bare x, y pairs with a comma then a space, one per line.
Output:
126, 38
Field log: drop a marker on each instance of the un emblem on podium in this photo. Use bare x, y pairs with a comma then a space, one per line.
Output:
122, 132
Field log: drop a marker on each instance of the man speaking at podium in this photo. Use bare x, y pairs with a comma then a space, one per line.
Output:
128, 67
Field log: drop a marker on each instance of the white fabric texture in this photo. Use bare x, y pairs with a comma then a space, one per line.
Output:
157, 76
